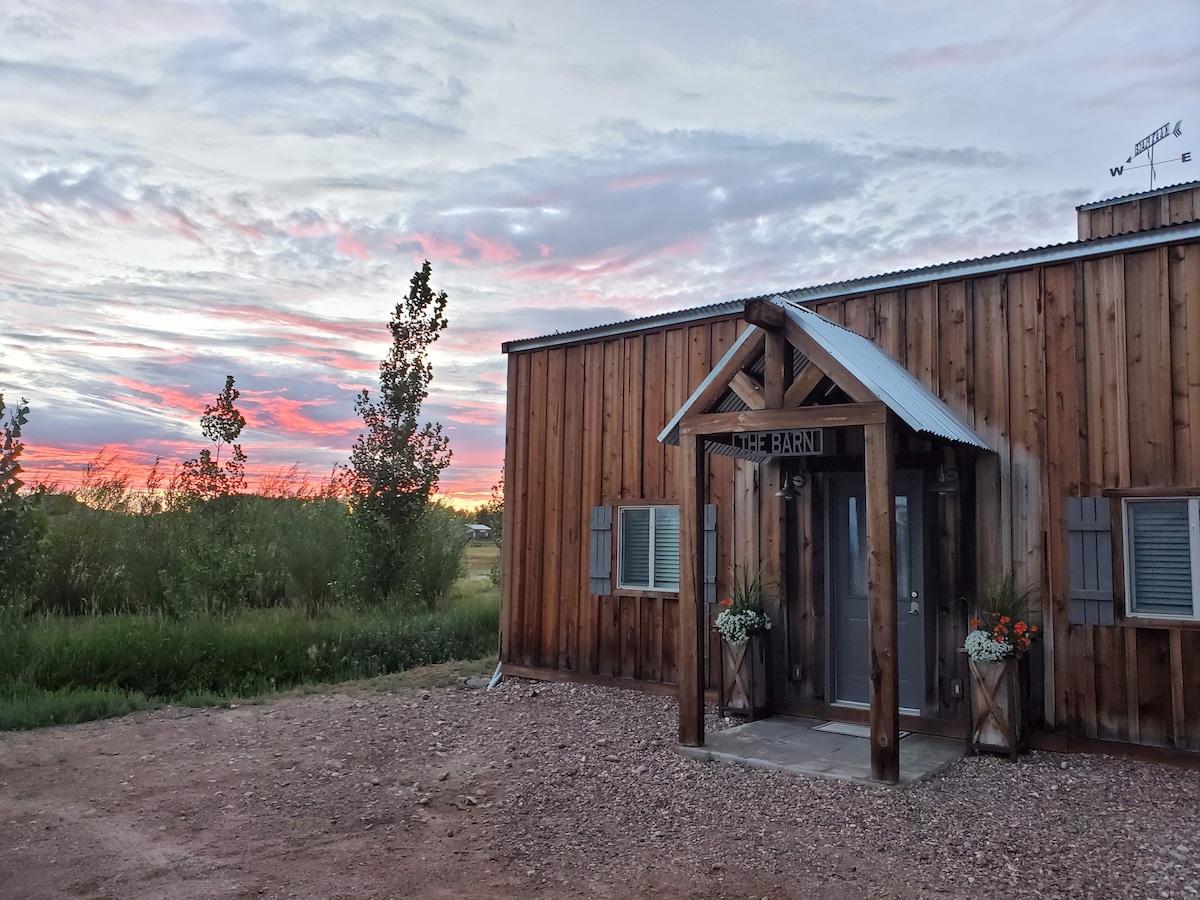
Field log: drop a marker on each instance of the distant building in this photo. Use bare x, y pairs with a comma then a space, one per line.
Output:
480, 532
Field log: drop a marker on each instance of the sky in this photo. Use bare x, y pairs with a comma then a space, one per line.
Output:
190, 190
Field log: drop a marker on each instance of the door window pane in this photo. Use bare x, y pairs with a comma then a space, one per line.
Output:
903, 556
857, 518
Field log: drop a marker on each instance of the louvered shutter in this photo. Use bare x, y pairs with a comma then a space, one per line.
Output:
600, 557
1159, 554
710, 553
1089, 546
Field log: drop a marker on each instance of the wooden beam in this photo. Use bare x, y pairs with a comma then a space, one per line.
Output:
691, 590
836, 415
775, 365
810, 376
881, 601
764, 314
717, 386
826, 363
748, 388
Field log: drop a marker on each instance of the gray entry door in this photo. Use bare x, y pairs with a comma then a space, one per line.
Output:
850, 663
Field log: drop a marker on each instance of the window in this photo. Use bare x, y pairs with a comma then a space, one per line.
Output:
648, 557
1162, 557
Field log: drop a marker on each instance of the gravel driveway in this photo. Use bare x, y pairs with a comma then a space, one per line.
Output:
550, 790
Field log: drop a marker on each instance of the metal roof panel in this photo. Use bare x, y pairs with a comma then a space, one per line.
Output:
969, 268
904, 395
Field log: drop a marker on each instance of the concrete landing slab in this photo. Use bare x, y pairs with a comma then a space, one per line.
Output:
792, 745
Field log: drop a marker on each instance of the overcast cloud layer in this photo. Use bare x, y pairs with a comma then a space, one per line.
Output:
194, 189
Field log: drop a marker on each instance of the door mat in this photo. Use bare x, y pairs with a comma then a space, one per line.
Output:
848, 728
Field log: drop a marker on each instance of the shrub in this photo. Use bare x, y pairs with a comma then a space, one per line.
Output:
444, 539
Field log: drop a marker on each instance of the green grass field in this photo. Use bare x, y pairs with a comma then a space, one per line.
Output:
63, 669
481, 557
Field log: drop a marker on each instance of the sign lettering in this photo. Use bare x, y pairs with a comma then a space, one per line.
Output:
796, 442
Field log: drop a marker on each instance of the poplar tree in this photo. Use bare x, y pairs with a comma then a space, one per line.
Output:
395, 464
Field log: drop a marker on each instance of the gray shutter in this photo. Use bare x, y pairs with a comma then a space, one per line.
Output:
600, 565
710, 553
1089, 549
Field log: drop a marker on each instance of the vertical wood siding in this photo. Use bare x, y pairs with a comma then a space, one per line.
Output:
1083, 375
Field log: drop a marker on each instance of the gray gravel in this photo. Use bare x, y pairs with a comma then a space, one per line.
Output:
594, 776
551, 791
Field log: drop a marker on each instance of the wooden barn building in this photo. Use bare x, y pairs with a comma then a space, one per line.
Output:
882, 448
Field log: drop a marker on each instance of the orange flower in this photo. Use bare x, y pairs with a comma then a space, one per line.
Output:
1020, 628
1004, 620
1033, 629
727, 603
974, 623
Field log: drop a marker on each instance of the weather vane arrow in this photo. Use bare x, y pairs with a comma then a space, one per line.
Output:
1146, 145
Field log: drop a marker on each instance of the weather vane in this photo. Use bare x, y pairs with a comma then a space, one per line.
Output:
1146, 145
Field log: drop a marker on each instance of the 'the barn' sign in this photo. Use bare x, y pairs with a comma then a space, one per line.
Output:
795, 442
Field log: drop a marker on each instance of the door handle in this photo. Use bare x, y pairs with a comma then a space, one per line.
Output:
914, 608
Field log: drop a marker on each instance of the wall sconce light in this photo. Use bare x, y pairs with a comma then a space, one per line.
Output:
946, 481
791, 484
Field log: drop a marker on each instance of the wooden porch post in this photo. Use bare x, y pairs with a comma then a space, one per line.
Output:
691, 590
881, 595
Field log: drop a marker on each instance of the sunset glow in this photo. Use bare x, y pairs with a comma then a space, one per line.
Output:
190, 190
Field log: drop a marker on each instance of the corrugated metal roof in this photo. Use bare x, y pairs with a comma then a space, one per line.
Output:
903, 394
885, 378
985, 265
1139, 195
626, 326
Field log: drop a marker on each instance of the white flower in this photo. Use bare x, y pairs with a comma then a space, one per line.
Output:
981, 648
737, 627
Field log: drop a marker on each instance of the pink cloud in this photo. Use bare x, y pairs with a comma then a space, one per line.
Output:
469, 412
271, 412
234, 225
349, 245
352, 329
168, 397
637, 181
432, 246
493, 250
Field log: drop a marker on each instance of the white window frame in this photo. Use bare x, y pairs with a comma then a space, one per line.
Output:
622, 584
1127, 554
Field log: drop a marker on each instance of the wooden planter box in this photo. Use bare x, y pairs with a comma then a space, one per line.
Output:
1000, 706
744, 678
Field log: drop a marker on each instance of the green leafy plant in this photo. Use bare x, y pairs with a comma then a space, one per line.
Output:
207, 478
20, 524
743, 614
396, 462
444, 538
1001, 626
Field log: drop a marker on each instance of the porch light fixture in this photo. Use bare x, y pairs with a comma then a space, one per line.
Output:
791, 485
946, 481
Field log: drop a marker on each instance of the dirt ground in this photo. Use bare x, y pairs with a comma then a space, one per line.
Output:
547, 791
